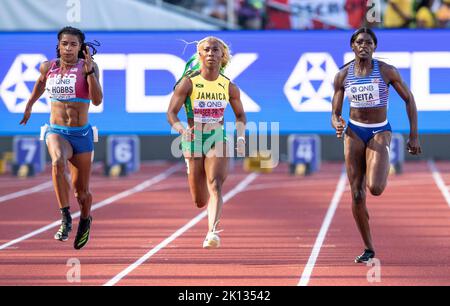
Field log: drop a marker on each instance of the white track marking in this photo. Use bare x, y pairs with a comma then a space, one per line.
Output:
25, 192
240, 187
156, 179
306, 275
439, 181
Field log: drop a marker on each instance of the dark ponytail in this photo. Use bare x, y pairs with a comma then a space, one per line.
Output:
364, 30
353, 38
81, 38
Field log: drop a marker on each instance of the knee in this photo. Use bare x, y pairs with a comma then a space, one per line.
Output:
358, 196
200, 203
59, 166
83, 196
376, 190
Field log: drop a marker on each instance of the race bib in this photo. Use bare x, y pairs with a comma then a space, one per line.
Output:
209, 111
62, 88
364, 95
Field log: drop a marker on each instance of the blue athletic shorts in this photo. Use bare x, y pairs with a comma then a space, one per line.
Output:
367, 131
80, 138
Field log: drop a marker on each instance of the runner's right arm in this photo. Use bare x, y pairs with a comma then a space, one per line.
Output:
181, 91
338, 99
38, 90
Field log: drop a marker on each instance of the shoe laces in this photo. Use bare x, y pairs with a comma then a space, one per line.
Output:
64, 226
366, 254
214, 233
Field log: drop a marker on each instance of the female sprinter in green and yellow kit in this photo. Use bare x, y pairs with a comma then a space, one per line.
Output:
205, 92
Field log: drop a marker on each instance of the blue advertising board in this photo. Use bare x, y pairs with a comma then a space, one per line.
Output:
397, 150
123, 150
29, 150
283, 76
305, 149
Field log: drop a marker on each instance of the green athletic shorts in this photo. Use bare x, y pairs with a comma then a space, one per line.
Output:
203, 142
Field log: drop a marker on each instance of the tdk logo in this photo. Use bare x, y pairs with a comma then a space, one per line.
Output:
16, 87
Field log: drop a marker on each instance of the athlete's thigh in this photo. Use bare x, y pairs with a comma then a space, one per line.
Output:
216, 163
355, 159
58, 147
377, 157
81, 165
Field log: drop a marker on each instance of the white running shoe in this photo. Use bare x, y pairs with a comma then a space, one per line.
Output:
212, 240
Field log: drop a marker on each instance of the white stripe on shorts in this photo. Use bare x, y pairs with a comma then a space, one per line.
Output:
368, 125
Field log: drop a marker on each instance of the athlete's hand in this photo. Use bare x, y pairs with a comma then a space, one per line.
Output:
340, 127
413, 145
26, 116
187, 134
88, 63
240, 147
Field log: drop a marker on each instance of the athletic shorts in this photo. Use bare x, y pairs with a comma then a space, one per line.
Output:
367, 131
80, 138
203, 142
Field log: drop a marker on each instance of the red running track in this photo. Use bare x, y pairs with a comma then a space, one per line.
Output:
270, 228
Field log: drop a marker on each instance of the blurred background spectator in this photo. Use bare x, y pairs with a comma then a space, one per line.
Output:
424, 15
356, 10
443, 15
251, 14
332, 14
399, 14
233, 14
216, 9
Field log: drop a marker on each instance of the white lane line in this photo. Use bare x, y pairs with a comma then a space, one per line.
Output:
240, 187
306, 275
25, 192
439, 181
28, 191
156, 179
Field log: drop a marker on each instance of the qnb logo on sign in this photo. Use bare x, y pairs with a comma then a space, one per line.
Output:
16, 87
310, 86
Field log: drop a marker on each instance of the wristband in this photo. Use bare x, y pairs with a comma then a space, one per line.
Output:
90, 72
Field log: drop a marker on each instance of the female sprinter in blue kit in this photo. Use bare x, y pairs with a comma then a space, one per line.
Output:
366, 83
71, 81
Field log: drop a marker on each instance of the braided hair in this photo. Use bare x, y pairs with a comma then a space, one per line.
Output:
81, 38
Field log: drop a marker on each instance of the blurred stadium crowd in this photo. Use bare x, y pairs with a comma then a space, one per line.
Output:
325, 14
